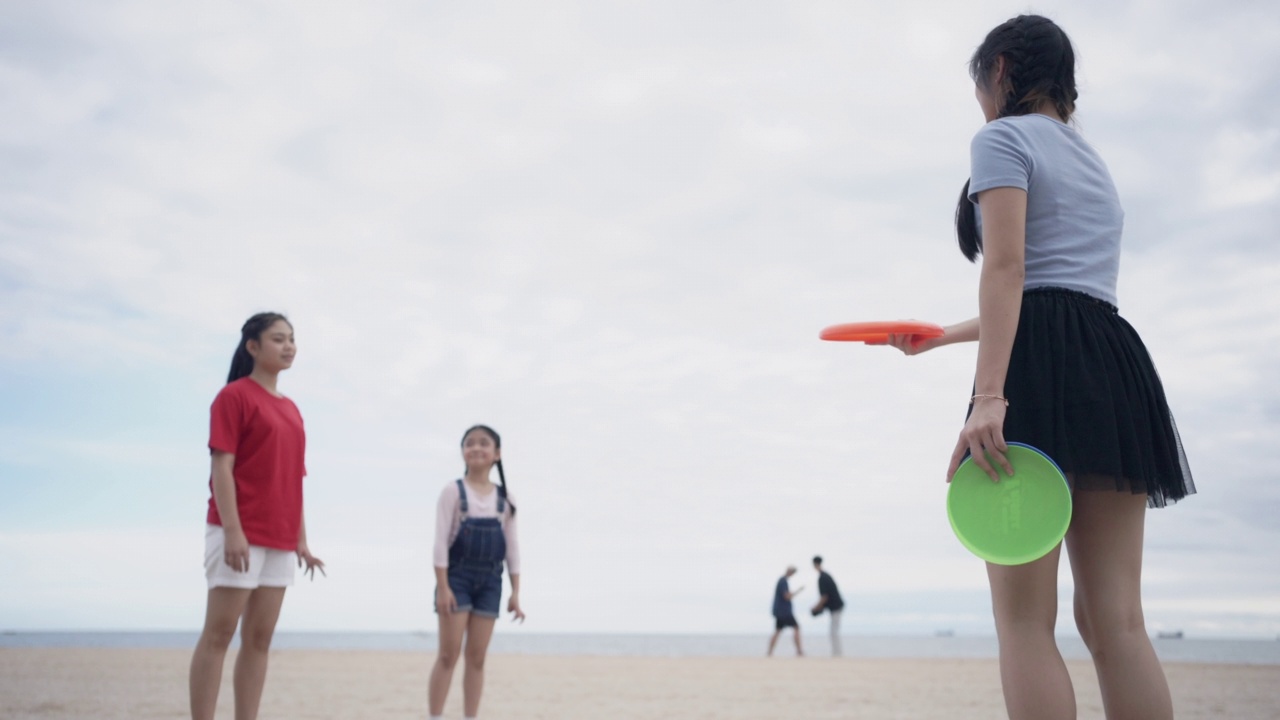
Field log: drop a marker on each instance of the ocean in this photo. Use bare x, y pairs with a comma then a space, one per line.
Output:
1193, 650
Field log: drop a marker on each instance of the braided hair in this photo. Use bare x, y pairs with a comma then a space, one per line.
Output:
1039, 67
497, 443
242, 361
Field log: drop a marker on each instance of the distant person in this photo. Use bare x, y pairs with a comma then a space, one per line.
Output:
829, 600
255, 523
1058, 368
783, 615
475, 534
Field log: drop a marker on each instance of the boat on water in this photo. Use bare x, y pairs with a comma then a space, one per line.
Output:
1169, 635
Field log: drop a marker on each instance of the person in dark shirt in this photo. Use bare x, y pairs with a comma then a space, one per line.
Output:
830, 601
782, 613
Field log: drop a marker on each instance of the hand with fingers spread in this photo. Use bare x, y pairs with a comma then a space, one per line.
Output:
235, 551
983, 438
311, 562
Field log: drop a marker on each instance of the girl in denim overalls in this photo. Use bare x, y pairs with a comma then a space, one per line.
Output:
475, 534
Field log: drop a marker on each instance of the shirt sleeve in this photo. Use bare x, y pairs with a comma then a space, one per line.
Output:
226, 421
513, 541
446, 521
998, 158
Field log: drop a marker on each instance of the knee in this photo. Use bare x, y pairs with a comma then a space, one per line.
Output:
1108, 627
447, 659
255, 640
218, 638
475, 661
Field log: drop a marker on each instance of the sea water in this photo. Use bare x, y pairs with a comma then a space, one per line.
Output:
1193, 650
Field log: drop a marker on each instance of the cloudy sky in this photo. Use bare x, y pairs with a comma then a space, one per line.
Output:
612, 231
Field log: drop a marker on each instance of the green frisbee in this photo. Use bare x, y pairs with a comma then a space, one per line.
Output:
1017, 520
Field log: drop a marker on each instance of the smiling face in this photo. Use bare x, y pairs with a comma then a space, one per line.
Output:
274, 349
479, 451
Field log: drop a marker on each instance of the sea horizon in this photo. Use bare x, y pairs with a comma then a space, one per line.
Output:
1249, 651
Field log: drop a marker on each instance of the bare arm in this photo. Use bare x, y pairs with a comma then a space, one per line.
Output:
235, 549
512, 536
1004, 214
513, 605
960, 332
305, 557
446, 603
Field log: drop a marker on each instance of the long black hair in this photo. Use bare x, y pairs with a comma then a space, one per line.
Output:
242, 361
497, 443
1039, 67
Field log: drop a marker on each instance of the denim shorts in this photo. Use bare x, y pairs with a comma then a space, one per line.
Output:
478, 590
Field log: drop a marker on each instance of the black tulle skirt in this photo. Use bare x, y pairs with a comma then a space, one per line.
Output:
1082, 388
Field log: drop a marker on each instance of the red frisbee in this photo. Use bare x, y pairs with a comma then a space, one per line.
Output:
879, 332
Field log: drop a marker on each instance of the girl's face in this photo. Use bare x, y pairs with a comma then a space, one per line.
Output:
274, 350
478, 450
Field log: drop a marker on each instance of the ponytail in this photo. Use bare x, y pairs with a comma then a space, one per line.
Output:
967, 226
502, 487
242, 361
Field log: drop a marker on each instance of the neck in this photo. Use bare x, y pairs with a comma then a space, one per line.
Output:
266, 379
477, 476
1048, 108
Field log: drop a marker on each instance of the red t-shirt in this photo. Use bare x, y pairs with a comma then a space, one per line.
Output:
265, 434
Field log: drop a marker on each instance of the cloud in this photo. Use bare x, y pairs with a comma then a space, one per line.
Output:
613, 234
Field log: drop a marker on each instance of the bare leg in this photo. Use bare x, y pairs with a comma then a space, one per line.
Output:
773, 641
260, 616
452, 628
1105, 546
222, 614
799, 650
479, 631
1032, 674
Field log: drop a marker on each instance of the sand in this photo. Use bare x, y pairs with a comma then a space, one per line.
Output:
106, 684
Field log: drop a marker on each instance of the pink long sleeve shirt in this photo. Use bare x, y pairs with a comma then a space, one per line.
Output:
449, 520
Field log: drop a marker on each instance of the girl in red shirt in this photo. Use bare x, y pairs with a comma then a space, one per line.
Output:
255, 520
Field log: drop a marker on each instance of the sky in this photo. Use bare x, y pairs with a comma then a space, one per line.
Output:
612, 231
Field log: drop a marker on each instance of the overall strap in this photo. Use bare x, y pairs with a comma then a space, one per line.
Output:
462, 494
502, 501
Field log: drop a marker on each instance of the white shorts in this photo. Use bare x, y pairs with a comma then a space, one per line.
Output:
268, 567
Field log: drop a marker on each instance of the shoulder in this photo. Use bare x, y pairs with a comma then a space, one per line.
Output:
235, 388
233, 394
1003, 132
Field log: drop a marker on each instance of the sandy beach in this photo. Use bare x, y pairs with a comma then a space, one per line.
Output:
328, 685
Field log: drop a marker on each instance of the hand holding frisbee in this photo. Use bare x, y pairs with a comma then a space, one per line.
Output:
1014, 521
877, 333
